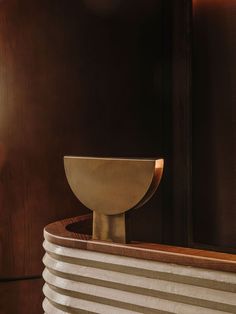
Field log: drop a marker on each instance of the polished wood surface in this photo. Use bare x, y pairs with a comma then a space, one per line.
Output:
74, 81
36, 58
22, 296
181, 132
214, 127
76, 233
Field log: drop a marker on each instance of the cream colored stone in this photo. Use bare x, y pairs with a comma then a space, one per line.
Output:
206, 278
78, 281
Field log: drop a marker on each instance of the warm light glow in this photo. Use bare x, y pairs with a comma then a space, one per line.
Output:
214, 4
159, 163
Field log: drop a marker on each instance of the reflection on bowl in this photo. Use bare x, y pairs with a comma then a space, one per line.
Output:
111, 186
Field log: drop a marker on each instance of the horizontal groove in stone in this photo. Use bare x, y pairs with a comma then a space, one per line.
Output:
124, 299
49, 308
74, 305
103, 295
175, 273
145, 286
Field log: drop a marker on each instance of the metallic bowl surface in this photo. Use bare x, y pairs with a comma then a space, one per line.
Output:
112, 186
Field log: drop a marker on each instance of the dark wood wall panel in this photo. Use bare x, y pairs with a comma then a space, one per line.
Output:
22, 296
214, 122
38, 109
76, 77
180, 115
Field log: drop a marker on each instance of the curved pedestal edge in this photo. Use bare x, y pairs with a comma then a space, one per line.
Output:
60, 233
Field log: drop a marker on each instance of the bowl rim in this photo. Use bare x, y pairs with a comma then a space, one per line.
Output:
115, 158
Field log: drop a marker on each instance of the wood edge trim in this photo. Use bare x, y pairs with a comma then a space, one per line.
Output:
56, 233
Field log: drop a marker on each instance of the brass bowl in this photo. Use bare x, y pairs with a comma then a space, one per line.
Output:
112, 186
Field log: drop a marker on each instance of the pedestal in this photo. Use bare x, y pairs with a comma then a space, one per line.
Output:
86, 276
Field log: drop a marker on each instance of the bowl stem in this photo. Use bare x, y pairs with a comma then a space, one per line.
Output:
109, 227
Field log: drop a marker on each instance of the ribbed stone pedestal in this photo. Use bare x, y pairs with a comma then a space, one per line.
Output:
84, 276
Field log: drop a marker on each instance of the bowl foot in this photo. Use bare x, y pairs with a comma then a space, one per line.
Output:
109, 227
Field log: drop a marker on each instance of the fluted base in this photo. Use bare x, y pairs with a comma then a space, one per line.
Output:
84, 281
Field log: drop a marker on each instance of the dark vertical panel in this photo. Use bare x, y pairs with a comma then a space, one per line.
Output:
180, 115
166, 85
38, 103
74, 79
214, 127
22, 296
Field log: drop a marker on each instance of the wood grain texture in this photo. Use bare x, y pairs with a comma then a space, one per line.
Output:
214, 128
73, 81
176, 109
23, 296
35, 131
181, 133
67, 233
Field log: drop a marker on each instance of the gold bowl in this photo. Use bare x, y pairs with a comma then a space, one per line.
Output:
110, 187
